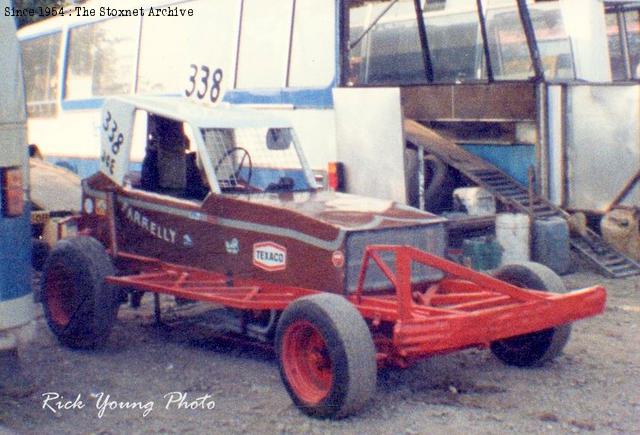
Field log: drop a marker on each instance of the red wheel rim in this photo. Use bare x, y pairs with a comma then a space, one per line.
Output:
58, 293
306, 362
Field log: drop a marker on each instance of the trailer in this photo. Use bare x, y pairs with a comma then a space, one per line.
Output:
225, 210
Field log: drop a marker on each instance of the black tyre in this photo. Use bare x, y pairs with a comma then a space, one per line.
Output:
327, 356
79, 306
39, 253
537, 347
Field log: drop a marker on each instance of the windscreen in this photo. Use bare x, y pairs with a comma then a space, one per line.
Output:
255, 160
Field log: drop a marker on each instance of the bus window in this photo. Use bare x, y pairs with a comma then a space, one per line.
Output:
40, 59
509, 52
357, 43
456, 47
616, 56
313, 45
632, 22
264, 44
395, 55
186, 60
617, 45
93, 68
553, 41
384, 41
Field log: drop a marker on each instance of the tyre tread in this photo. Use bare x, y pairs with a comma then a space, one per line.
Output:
91, 323
356, 342
535, 276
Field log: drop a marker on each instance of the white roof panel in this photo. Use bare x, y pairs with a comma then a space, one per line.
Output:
200, 116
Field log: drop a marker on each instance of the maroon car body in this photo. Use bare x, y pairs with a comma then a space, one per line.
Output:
317, 238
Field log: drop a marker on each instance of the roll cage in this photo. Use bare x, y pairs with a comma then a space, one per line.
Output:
231, 150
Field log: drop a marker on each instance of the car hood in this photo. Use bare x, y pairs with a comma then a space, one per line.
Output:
346, 211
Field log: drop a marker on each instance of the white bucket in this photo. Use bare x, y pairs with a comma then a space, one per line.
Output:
512, 232
475, 200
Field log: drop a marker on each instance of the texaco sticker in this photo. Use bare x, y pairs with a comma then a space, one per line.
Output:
269, 256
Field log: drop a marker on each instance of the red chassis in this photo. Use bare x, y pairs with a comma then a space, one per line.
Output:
463, 309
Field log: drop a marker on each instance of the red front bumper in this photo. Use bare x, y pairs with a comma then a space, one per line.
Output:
425, 335
466, 308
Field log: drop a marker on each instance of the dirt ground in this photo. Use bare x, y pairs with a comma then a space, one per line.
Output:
593, 387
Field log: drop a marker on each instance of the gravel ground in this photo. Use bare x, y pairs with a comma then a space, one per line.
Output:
593, 387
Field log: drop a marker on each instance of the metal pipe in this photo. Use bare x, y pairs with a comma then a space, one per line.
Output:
421, 179
237, 60
624, 43
564, 178
343, 44
485, 40
292, 28
542, 144
529, 33
403, 284
111, 216
424, 42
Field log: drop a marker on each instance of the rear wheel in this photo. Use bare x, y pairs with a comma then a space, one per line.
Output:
537, 347
79, 306
327, 356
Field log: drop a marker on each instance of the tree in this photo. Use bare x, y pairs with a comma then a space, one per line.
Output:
34, 4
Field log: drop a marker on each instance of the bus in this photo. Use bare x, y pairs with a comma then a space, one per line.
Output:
548, 85
16, 298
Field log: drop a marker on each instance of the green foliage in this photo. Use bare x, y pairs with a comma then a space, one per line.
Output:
34, 4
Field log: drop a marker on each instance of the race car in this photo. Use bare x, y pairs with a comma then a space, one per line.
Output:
224, 209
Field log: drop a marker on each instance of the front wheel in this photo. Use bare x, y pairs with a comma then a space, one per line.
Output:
535, 348
327, 356
79, 306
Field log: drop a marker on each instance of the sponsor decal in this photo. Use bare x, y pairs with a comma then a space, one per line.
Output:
232, 246
337, 258
101, 207
186, 241
88, 205
269, 256
161, 232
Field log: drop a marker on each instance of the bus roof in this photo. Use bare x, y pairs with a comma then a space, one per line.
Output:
73, 18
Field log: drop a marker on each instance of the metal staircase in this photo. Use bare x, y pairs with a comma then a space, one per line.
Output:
516, 197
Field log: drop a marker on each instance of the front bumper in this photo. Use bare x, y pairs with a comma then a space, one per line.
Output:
428, 335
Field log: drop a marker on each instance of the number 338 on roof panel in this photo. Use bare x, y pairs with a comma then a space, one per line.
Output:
115, 140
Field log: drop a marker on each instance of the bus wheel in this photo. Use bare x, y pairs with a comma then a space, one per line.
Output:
537, 347
79, 306
327, 356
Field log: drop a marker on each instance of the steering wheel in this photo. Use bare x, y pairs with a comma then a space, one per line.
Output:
245, 156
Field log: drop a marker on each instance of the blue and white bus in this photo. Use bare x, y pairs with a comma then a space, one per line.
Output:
545, 84
16, 298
